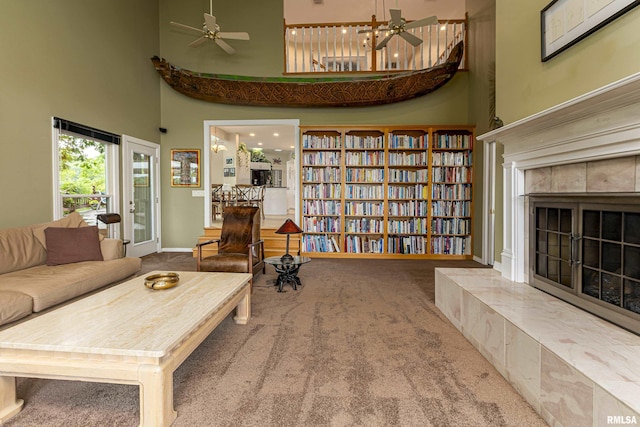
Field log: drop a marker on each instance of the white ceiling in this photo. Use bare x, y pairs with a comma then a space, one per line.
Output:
264, 134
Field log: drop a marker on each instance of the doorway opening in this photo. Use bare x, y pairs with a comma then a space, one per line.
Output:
239, 152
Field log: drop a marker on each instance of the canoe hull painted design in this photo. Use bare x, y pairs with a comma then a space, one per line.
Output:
309, 92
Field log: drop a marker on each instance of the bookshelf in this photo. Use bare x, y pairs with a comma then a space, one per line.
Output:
387, 191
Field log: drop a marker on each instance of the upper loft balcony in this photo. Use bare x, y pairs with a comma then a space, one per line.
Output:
350, 47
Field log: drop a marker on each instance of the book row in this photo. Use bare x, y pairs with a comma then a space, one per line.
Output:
448, 158
413, 208
409, 159
321, 191
451, 191
321, 207
453, 141
367, 141
418, 191
451, 245
363, 191
408, 141
452, 174
326, 224
451, 208
450, 226
401, 175
364, 175
363, 244
412, 226
364, 158
326, 174
320, 141
363, 225
321, 158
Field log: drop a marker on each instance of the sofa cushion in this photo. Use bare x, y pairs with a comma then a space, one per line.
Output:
51, 285
69, 245
73, 220
14, 306
19, 249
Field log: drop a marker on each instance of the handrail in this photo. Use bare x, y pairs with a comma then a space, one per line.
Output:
349, 47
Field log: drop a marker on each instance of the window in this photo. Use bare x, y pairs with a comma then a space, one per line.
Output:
86, 170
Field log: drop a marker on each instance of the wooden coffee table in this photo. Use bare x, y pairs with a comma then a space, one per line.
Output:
127, 334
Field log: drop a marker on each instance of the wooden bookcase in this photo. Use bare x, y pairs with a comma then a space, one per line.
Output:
387, 191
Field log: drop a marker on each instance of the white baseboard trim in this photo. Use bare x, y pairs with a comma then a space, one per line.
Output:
497, 266
177, 249
479, 259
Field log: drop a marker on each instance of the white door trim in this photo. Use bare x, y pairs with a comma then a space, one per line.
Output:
206, 158
127, 183
489, 203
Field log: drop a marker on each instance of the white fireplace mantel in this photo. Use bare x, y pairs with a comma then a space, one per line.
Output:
601, 124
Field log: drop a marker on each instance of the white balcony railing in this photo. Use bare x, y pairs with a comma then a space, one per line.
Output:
350, 47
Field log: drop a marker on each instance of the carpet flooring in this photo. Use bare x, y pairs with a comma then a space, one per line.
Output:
361, 343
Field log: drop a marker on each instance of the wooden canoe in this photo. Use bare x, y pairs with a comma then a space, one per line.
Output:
309, 92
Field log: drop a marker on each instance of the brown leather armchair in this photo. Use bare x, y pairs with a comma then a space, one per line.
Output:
240, 249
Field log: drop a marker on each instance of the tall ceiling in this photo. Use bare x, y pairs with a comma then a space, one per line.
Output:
321, 11
337, 11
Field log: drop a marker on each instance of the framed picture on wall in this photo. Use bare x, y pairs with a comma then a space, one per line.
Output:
564, 23
229, 172
185, 168
228, 161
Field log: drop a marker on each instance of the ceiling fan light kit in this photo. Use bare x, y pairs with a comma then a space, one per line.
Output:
398, 26
211, 31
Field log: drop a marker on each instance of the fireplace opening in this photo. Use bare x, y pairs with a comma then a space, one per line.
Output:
586, 251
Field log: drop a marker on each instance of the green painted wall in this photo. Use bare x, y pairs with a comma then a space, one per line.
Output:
182, 214
82, 60
525, 85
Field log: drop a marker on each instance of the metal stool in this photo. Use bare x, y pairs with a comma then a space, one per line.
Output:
113, 218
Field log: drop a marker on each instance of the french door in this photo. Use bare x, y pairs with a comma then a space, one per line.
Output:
141, 196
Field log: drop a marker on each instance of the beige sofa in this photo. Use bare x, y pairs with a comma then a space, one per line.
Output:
33, 279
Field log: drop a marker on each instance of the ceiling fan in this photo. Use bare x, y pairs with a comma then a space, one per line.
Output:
211, 31
399, 26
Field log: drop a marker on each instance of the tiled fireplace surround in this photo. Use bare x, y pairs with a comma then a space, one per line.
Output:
572, 367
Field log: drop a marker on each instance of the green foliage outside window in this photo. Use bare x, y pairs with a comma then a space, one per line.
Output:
82, 166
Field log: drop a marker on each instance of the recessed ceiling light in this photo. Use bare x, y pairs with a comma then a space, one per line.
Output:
292, 146
276, 134
443, 27
277, 149
252, 134
259, 143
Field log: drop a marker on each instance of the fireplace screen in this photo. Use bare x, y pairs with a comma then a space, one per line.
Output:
589, 255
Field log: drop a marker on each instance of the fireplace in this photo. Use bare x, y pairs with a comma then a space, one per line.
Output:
586, 251
576, 164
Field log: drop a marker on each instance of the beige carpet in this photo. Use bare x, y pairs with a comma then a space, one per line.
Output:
360, 344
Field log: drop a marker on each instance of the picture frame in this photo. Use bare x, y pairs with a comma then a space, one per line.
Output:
185, 168
564, 23
229, 172
228, 161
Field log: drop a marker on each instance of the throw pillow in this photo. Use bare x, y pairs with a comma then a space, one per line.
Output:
68, 245
74, 219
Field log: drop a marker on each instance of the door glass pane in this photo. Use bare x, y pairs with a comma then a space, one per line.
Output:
142, 198
591, 253
542, 218
612, 226
611, 289
632, 295
591, 282
632, 262
611, 258
552, 219
553, 245
541, 265
565, 221
565, 274
542, 241
565, 247
591, 223
632, 228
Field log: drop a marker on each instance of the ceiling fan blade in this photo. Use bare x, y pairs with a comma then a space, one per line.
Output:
431, 20
225, 46
184, 27
415, 41
384, 42
233, 36
396, 16
197, 42
210, 22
